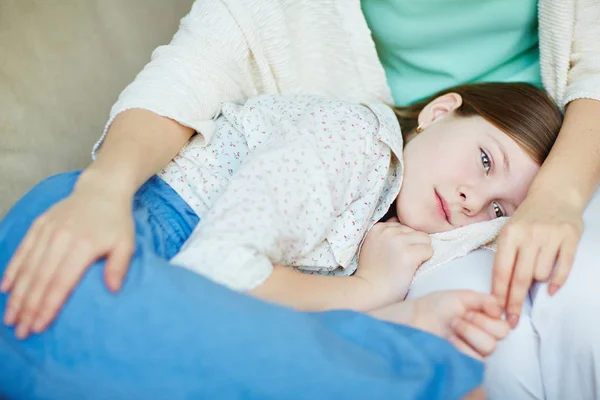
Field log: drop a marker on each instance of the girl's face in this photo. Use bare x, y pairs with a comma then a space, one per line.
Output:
459, 171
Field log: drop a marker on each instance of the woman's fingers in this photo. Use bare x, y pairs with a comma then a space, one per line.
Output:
22, 253
566, 257
546, 260
62, 285
504, 263
117, 264
521, 282
25, 276
58, 248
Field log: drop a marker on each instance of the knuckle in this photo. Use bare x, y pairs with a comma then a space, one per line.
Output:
53, 302
559, 279
542, 275
520, 282
514, 307
490, 348
83, 245
40, 221
502, 273
569, 229
28, 311
423, 236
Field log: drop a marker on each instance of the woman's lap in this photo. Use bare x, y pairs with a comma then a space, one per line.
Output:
562, 331
170, 333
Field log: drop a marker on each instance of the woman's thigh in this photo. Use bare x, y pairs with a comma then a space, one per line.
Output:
170, 333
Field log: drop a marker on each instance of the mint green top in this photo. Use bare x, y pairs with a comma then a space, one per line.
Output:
429, 45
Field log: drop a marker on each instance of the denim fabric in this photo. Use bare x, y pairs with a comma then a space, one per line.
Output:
172, 334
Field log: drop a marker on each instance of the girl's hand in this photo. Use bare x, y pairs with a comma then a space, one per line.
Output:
469, 320
61, 244
389, 258
537, 244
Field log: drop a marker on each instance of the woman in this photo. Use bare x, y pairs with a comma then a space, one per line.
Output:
228, 50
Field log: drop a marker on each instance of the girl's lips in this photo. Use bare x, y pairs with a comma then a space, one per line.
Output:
443, 208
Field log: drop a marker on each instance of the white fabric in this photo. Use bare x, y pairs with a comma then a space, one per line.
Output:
554, 353
459, 242
296, 181
227, 50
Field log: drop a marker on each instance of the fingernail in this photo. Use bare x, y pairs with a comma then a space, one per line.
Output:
10, 317
470, 316
38, 325
22, 331
552, 289
454, 323
513, 321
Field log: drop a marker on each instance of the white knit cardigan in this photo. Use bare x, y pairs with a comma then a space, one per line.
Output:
228, 50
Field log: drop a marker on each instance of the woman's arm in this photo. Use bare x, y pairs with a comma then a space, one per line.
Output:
572, 170
207, 62
138, 144
546, 229
540, 240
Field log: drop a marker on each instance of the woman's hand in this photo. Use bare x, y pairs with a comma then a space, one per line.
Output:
61, 244
469, 320
537, 244
389, 258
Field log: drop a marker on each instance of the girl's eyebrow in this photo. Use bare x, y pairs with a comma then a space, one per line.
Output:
506, 160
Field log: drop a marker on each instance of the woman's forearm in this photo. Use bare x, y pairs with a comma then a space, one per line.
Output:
139, 143
572, 170
308, 292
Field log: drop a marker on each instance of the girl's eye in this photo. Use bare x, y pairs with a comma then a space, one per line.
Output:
497, 210
485, 161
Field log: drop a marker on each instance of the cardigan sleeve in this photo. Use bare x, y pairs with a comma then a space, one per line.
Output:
208, 61
583, 80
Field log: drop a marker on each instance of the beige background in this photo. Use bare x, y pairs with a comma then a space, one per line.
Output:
62, 65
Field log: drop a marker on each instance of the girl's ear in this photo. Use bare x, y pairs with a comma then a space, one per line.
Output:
438, 108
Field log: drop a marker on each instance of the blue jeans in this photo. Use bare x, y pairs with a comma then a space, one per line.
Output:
172, 334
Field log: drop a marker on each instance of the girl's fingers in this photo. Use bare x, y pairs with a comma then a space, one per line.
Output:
422, 252
498, 328
463, 347
478, 339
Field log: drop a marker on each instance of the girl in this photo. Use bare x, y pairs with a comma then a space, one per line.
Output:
299, 181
